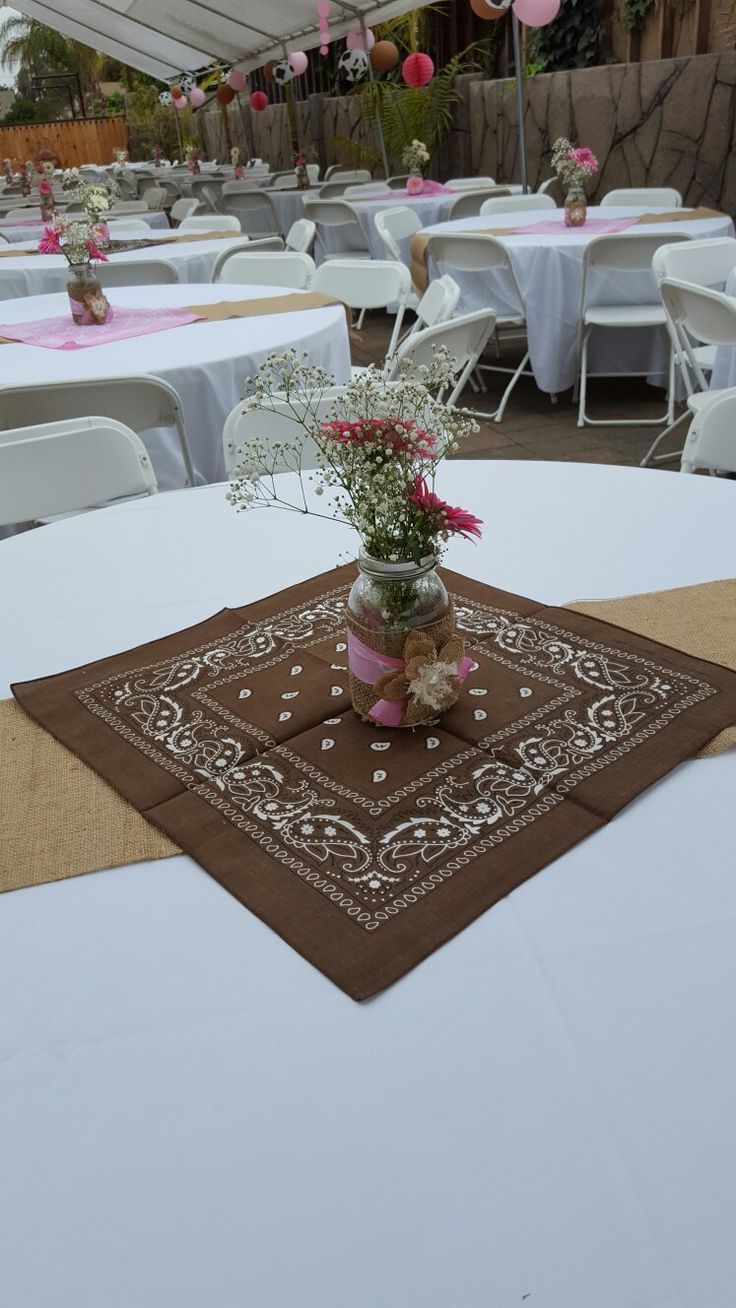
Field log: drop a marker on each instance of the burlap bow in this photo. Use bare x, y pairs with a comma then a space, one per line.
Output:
430, 682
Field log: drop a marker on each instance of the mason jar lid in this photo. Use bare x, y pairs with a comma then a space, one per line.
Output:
402, 570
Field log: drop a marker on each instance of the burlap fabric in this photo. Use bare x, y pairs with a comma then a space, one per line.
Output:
391, 643
364, 848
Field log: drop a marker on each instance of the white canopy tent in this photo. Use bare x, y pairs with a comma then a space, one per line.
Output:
167, 37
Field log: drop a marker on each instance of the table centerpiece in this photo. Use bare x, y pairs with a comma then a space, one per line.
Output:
378, 444
76, 241
573, 165
415, 159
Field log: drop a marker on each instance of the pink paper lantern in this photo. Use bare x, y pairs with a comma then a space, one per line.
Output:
181, 102
324, 49
356, 41
323, 8
324, 25
197, 97
236, 79
418, 69
259, 101
536, 13
299, 62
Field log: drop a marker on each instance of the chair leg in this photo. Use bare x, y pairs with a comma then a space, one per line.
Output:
664, 458
583, 379
507, 393
359, 323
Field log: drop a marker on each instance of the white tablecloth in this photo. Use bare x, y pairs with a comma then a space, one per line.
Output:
541, 1113
724, 372
42, 274
430, 209
549, 272
207, 363
31, 232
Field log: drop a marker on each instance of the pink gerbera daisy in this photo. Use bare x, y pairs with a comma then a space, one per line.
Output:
49, 242
446, 518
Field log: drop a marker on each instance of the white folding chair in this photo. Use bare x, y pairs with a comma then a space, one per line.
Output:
517, 203
394, 225
259, 268
122, 227
547, 185
27, 214
284, 182
438, 304
138, 272
611, 256
464, 337
480, 253
183, 208
468, 183
207, 190
347, 175
695, 313
276, 423
68, 467
252, 208
368, 190
155, 198
661, 197
144, 403
300, 236
313, 171
128, 206
270, 244
398, 182
711, 440
210, 222
367, 285
470, 203
334, 215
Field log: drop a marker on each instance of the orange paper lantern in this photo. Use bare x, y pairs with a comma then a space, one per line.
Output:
176, 92
268, 70
225, 93
384, 56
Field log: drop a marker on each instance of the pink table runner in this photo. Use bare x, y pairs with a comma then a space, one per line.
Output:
430, 188
62, 333
556, 227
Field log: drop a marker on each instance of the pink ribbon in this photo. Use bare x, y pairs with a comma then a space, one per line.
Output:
369, 664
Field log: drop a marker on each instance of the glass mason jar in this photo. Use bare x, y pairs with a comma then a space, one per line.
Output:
576, 209
48, 209
387, 602
87, 299
302, 177
415, 182
100, 233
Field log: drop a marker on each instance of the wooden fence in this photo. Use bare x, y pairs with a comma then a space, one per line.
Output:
77, 141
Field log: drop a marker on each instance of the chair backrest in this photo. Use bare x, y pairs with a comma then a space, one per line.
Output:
122, 227
155, 198
286, 182
631, 252
465, 339
339, 172
253, 209
269, 244
661, 197
300, 236
368, 189
704, 263
469, 252
23, 215
398, 182
705, 315
239, 188
171, 186
394, 225
469, 203
363, 283
517, 203
329, 213
256, 268
68, 466
547, 185
468, 183
129, 206
332, 190
271, 425
313, 171
183, 208
439, 302
208, 222
138, 272
711, 440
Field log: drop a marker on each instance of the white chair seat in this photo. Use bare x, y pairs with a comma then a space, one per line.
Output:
347, 254
625, 315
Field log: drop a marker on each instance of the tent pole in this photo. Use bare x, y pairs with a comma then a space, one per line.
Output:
520, 101
178, 133
379, 124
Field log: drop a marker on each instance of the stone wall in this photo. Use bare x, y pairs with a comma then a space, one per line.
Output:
667, 122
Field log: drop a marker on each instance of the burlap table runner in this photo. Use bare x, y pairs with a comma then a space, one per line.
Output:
418, 243
145, 243
367, 849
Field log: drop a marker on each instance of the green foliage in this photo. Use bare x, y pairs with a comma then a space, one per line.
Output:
634, 12
25, 111
571, 40
151, 124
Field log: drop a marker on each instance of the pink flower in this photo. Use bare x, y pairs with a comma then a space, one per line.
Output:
585, 159
49, 242
45, 187
94, 252
445, 518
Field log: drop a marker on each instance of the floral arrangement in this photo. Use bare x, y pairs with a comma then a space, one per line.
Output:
193, 156
238, 169
120, 156
7, 166
46, 169
75, 240
26, 173
158, 155
415, 157
379, 448
573, 164
95, 198
70, 179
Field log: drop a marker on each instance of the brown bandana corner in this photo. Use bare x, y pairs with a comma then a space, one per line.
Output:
365, 848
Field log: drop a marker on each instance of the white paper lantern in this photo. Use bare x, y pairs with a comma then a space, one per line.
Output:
353, 65
166, 99
283, 73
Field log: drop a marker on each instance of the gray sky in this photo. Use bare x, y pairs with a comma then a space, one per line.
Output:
6, 74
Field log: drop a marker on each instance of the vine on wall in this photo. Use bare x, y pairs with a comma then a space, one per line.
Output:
572, 39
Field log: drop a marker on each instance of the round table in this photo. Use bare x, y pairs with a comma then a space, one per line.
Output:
540, 1112
40, 274
430, 209
548, 268
206, 363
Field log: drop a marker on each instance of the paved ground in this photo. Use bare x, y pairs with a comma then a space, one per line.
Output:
533, 428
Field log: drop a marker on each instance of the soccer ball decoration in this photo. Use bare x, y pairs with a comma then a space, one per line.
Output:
166, 99
283, 73
353, 65
186, 82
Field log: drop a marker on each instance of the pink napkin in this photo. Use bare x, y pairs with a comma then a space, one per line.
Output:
430, 188
63, 333
556, 227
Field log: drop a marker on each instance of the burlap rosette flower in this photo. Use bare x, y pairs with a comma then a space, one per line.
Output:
430, 683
